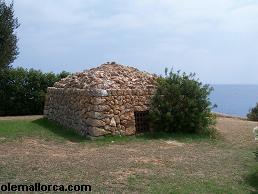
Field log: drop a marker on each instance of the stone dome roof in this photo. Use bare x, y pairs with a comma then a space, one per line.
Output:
109, 76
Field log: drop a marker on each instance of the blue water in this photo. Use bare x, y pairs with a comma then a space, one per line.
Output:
234, 99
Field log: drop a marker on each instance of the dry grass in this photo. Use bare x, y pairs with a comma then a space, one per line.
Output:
147, 166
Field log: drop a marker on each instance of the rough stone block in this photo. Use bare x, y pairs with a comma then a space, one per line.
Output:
96, 131
95, 122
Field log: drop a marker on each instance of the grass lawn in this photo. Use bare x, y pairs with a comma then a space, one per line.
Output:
36, 150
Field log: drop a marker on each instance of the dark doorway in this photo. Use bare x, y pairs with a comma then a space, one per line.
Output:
141, 121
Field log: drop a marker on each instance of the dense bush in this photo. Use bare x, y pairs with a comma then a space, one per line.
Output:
181, 104
253, 113
22, 91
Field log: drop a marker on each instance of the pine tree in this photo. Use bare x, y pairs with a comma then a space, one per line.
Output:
8, 39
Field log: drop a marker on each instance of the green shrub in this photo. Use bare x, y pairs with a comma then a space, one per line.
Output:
181, 104
22, 91
253, 113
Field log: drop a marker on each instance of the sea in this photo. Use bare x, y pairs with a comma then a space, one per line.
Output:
234, 100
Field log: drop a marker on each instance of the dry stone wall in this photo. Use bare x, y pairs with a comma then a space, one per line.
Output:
94, 111
97, 113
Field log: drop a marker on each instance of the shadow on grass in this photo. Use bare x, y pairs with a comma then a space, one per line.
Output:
55, 130
59, 131
252, 180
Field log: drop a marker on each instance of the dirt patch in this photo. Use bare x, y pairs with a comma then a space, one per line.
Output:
175, 143
123, 174
146, 160
29, 117
238, 132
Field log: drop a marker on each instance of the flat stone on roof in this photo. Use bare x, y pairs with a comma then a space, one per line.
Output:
109, 76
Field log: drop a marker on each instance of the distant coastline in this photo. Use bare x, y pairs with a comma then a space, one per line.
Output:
228, 116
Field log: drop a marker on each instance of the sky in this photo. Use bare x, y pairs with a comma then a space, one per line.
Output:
216, 39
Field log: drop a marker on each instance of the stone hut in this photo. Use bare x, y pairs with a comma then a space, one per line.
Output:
109, 99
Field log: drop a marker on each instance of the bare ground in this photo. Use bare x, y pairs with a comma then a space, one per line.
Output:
27, 117
133, 166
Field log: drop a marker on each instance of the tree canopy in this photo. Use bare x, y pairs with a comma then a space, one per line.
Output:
8, 39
